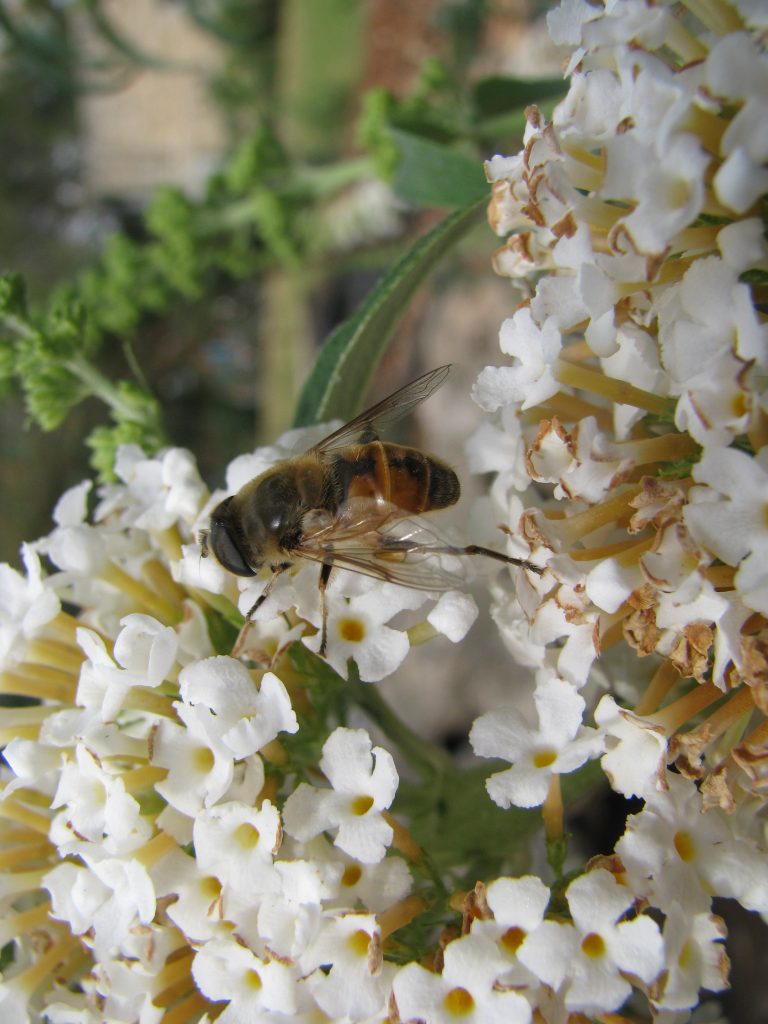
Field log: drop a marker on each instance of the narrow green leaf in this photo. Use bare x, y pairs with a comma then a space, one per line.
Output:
429, 174
347, 362
498, 94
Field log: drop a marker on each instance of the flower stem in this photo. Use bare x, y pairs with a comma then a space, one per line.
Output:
15, 924
664, 678
681, 711
36, 681
552, 810
586, 379
165, 611
400, 914
425, 757
574, 528
14, 811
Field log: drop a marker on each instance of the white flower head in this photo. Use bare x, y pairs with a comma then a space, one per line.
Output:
592, 955
531, 379
27, 603
357, 629
243, 717
635, 759
364, 781
559, 745
466, 989
252, 987
237, 844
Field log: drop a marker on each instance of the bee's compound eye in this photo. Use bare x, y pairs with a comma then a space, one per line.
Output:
225, 548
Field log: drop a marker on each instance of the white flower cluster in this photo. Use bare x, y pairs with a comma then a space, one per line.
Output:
143, 854
630, 416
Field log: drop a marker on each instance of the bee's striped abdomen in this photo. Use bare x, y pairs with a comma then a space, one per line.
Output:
412, 480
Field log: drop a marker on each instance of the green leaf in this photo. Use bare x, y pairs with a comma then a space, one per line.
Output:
13, 300
498, 94
428, 174
498, 840
347, 362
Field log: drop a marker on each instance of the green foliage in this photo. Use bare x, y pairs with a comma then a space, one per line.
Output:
348, 360
430, 145
433, 175
256, 214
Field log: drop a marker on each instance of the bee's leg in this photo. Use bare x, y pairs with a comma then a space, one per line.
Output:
476, 549
325, 575
276, 570
471, 549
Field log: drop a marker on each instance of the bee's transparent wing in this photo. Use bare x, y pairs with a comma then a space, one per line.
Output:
374, 539
376, 420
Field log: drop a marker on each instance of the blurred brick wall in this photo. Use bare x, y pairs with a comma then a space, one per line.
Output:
160, 127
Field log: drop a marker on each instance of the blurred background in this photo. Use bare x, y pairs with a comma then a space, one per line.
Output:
102, 102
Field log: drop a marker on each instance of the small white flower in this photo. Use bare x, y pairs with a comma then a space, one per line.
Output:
357, 629
27, 603
559, 745
357, 985
518, 906
676, 854
198, 907
635, 760
109, 896
75, 545
96, 807
243, 717
252, 987
159, 492
200, 768
531, 380
144, 654
594, 952
237, 844
364, 781
695, 958
466, 989
290, 917
726, 515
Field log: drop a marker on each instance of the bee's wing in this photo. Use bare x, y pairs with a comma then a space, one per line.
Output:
378, 541
379, 417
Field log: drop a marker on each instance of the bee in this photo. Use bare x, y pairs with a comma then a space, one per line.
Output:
352, 501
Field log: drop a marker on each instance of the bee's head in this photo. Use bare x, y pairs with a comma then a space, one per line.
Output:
226, 541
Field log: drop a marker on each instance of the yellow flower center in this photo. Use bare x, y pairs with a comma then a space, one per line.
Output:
459, 1002
677, 193
352, 875
246, 836
202, 760
361, 805
512, 939
351, 630
359, 942
210, 888
544, 758
252, 980
592, 945
685, 956
685, 847
739, 405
